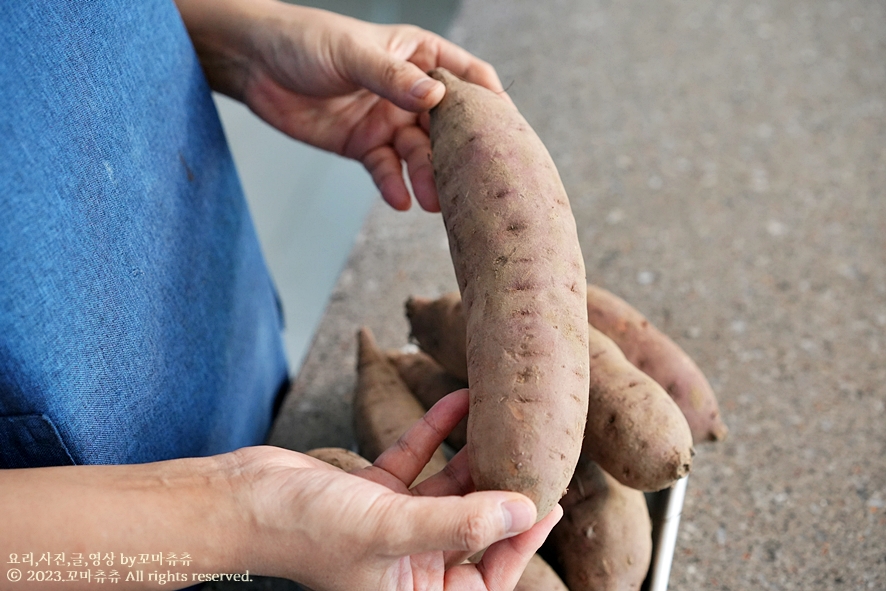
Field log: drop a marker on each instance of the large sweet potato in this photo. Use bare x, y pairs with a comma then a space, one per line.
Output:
520, 271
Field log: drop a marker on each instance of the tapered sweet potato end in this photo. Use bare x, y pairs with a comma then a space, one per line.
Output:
367, 348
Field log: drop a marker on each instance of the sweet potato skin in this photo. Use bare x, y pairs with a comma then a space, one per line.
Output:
340, 458
604, 541
439, 328
662, 359
429, 382
520, 271
384, 408
539, 576
635, 431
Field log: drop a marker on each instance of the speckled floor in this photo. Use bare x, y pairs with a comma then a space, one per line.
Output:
726, 163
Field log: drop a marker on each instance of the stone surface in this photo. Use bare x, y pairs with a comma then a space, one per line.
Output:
726, 162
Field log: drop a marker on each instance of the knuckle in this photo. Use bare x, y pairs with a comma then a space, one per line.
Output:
404, 446
475, 533
392, 71
409, 30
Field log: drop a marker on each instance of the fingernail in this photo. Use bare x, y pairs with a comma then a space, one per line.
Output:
519, 516
423, 87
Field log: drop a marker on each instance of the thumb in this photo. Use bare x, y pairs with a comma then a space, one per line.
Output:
400, 81
463, 524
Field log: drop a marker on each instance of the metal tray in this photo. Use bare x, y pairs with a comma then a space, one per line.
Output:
665, 508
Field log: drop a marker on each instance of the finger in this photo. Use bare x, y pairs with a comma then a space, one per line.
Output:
406, 458
503, 563
413, 145
432, 51
398, 80
384, 166
466, 524
469, 67
455, 479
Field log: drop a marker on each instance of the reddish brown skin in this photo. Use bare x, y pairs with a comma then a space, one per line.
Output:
604, 541
429, 382
635, 431
662, 359
384, 408
520, 271
438, 326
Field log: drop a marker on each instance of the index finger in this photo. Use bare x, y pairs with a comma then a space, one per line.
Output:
406, 458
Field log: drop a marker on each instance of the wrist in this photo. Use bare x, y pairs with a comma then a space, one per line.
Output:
219, 515
191, 506
220, 31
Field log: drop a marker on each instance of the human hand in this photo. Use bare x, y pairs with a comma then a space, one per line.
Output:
331, 530
350, 87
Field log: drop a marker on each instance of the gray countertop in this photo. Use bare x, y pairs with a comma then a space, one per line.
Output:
726, 163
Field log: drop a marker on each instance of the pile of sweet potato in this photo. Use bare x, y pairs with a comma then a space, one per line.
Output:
637, 435
636, 438
571, 388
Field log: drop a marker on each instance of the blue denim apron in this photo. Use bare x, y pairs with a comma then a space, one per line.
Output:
138, 321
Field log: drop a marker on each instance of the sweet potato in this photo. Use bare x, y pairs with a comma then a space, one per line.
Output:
429, 382
634, 430
340, 458
384, 408
438, 327
662, 359
604, 541
539, 576
520, 271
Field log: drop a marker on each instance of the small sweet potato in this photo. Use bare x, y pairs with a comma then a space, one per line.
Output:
604, 541
635, 431
662, 359
520, 271
539, 576
340, 458
384, 408
438, 327
429, 382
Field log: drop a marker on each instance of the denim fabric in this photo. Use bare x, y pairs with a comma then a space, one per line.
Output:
138, 321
